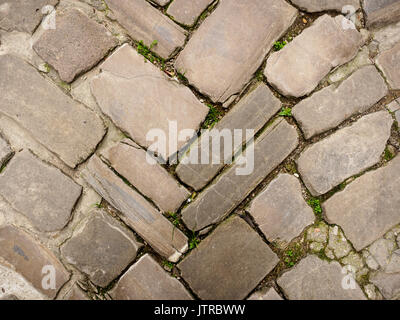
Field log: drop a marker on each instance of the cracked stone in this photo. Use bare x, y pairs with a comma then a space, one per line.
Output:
370, 261
388, 284
394, 263
5, 152
269, 294
386, 38
316, 247
338, 243
318, 233
388, 61
354, 260
325, 5
382, 250
187, 12
394, 105
76, 293
370, 291
381, 12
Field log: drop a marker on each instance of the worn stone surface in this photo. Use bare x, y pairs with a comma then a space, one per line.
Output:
280, 210
388, 62
62, 125
316, 279
209, 269
220, 198
269, 294
337, 243
251, 113
5, 152
347, 152
76, 293
329, 107
382, 250
212, 61
394, 105
385, 38
388, 284
140, 215
40, 192
187, 12
398, 118
297, 69
381, 12
325, 5
146, 280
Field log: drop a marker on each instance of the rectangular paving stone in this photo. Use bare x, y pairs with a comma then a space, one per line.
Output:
329, 107
325, 5
145, 23
33, 261
152, 180
5, 152
381, 12
389, 62
297, 69
252, 112
136, 212
229, 263
368, 207
230, 45
225, 194
146, 280
65, 127
139, 98
40, 192
187, 12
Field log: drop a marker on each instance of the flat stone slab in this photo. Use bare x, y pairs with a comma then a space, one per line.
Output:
381, 12
146, 99
22, 15
269, 294
187, 12
280, 211
234, 248
368, 207
329, 107
212, 61
30, 259
77, 44
316, 279
325, 5
40, 192
145, 23
63, 126
251, 113
387, 283
146, 280
76, 293
102, 248
136, 211
297, 69
347, 152
389, 62
232, 187
5, 152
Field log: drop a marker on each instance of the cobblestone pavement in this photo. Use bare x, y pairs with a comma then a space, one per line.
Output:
85, 215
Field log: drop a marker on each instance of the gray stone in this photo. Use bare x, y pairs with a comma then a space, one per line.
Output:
161, 2
251, 113
76, 45
65, 127
329, 107
338, 243
389, 61
318, 233
40, 192
297, 69
229, 190
388, 284
325, 5
382, 250
368, 207
394, 105
213, 61
75, 293
269, 294
146, 280
387, 37
187, 12
229, 263
348, 152
381, 12
316, 279
5, 152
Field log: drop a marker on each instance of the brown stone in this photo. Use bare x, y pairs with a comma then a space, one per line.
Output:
187, 12
389, 62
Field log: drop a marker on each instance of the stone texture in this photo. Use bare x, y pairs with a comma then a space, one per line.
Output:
151, 180
397, 114
187, 12
329, 107
161, 2
381, 12
349, 151
212, 61
40, 192
385, 38
145, 23
146, 280
389, 62
62, 125
337, 243
140, 215
394, 105
76, 293
280, 210
76, 45
232, 249
325, 5
251, 113
297, 69
125, 78
382, 250
388, 284
34, 262
269, 294
316, 279
220, 198
5, 152
368, 207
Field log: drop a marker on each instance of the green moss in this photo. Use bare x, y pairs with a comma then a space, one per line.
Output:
278, 45
315, 204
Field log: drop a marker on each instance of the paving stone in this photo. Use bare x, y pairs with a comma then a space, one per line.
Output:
316, 279
381, 12
30, 259
394, 263
337, 243
319, 233
385, 38
76, 293
9, 297
5, 152
297, 69
394, 105
232, 249
397, 114
269, 294
212, 60
382, 250
325, 5
40, 192
349, 151
388, 284
388, 62
145, 23
22, 15
77, 44
64, 126
232, 187
368, 207
281, 211
161, 2
332, 105
187, 12
139, 214
146, 280
252, 112
125, 77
